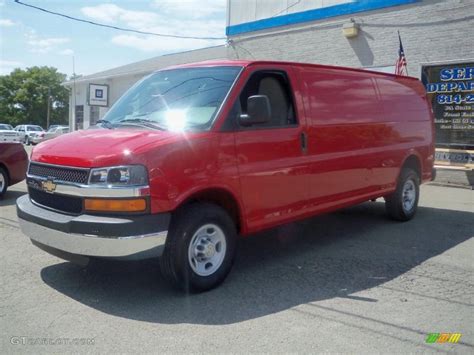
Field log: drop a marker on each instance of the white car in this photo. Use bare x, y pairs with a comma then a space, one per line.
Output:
53, 132
28, 132
8, 134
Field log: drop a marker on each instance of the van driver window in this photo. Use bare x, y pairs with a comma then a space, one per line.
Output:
275, 86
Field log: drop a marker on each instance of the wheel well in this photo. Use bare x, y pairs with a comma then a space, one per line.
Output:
220, 197
413, 162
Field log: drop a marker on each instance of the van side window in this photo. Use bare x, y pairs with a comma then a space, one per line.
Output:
275, 85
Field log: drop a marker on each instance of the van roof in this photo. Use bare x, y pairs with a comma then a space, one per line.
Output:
247, 63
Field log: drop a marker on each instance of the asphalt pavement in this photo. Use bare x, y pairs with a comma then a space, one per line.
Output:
352, 281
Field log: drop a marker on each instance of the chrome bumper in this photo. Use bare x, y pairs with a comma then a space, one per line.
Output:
94, 245
92, 236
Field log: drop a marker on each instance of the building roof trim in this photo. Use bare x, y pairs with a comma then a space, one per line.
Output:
313, 15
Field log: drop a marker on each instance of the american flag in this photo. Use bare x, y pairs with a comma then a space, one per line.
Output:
401, 65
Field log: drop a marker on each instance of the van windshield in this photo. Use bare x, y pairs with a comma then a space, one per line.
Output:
174, 99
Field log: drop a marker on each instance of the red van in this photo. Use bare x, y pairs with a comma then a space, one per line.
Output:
193, 156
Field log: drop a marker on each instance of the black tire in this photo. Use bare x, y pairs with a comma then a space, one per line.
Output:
175, 262
4, 185
27, 140
394, 203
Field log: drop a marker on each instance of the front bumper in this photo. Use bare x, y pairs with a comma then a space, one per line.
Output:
36, 139
135, 237
9, 139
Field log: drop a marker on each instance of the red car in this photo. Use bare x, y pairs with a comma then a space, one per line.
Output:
13, 165
195, 155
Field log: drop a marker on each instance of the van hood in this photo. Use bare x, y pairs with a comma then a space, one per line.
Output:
101, 147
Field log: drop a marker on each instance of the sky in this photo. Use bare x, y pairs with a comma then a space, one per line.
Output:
29, 37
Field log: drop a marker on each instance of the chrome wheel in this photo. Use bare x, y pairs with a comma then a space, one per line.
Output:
408, 195
207, 250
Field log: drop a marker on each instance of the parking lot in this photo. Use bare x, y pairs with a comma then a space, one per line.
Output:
334, 283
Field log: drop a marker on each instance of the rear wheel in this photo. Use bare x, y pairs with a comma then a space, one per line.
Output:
3, 182
200, 248
403, 203
27, 140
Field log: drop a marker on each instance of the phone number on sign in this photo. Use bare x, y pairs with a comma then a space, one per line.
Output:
455, 99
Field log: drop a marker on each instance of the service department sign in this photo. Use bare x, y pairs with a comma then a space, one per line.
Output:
98, 95
450, 88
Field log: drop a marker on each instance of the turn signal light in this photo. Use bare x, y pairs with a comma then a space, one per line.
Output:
107, 205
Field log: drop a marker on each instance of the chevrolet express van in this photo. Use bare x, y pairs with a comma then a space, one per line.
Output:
193, 156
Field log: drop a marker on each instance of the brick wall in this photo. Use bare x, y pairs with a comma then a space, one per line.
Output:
432, 31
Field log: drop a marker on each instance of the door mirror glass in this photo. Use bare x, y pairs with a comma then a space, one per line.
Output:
258, 111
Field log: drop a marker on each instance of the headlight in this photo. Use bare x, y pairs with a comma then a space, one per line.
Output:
133, 175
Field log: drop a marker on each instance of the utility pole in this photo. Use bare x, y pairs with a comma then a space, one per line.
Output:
49, 108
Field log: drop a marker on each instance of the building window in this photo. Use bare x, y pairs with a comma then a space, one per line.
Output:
94, 115
79, 117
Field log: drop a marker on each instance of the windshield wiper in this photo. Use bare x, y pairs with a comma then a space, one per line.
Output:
105, 123
142, 122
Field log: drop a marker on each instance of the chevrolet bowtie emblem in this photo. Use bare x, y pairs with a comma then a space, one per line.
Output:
48, 186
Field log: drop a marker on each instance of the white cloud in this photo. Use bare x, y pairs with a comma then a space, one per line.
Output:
174, 20
6, 66
149, 43
4, 22
190, 8
153, 44
111, 13
43, 45
67, 51
104, 12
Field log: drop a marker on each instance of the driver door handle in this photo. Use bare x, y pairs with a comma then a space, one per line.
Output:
304, 142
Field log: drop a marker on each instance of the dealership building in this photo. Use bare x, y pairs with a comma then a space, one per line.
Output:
437, 37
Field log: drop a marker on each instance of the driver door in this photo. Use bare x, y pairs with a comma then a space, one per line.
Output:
272, 161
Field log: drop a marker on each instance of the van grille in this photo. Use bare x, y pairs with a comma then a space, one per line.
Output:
68, 204
61, 173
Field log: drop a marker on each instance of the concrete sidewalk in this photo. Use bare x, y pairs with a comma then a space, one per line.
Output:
454, 177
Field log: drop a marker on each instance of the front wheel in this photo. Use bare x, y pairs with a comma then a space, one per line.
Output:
403, 203
3, 182
27, 140
200, 247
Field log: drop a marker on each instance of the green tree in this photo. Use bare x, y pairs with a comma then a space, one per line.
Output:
24, 96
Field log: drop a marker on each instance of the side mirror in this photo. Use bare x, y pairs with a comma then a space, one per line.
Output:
258, 111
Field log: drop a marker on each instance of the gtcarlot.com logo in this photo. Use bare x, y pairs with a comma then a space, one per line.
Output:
24, 340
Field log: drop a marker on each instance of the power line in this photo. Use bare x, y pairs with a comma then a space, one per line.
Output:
115, 27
